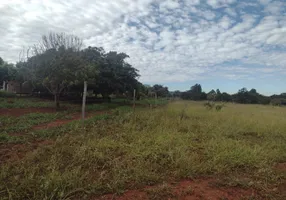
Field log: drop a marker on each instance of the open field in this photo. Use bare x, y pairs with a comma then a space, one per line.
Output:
177, 151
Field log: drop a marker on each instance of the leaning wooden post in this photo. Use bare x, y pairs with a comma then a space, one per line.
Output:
83, 102
134, 95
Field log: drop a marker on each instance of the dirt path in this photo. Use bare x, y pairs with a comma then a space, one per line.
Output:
198, 189
74, 117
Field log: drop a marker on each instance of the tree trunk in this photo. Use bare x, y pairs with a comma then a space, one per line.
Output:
106, 97
57, 101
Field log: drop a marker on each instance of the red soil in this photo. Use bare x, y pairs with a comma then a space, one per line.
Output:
15, 152
199, 189
60, 122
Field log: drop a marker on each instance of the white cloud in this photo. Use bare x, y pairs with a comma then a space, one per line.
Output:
168, 41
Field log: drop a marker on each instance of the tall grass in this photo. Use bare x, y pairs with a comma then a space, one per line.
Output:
151, 146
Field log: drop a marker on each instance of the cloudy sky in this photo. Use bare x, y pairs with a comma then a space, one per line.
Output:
226, 44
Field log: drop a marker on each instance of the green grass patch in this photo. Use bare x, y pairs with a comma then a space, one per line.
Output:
24, 123
5, 138
130, 150
24, 103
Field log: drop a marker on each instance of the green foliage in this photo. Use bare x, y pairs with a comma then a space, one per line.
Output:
160, 90
195, 93
5, 138
7, 71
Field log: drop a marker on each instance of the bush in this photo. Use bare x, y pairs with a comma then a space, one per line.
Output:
7, 94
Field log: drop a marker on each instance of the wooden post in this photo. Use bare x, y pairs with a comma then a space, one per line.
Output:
83, 102
155, 99
134, 96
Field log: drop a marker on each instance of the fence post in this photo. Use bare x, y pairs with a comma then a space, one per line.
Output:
83, 102
155, 99
134, 95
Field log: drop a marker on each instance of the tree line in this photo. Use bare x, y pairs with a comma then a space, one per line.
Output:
59, 64
243, 96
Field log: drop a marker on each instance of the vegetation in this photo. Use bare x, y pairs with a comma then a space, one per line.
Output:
59, 65
24, 123
24, 103
131, 150
242, 96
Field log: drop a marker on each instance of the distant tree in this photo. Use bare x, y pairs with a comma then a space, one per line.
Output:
218, 95
177, 93
1, 61
211, 96
226, 97
160, 90
253, 91
196, 92
203, 96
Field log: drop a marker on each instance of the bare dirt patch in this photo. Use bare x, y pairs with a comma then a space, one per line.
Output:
60, 122
16, 112
281, 167
15, 152
198, 189
281, 187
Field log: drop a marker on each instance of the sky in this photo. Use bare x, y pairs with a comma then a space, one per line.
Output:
225, 44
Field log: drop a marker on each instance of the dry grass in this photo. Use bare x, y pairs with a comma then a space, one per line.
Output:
151, 146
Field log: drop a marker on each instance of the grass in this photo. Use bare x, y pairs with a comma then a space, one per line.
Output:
24, 123
129, 150
24, 103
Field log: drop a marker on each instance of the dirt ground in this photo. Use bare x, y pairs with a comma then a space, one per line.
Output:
198, 189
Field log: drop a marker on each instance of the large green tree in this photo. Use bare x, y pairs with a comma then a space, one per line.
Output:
115, 75
57, 63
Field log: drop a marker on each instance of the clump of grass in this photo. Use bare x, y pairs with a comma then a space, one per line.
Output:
147, 147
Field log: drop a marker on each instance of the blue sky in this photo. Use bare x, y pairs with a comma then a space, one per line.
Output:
225, 44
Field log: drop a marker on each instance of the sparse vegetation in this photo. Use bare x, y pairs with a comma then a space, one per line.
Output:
125, 150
